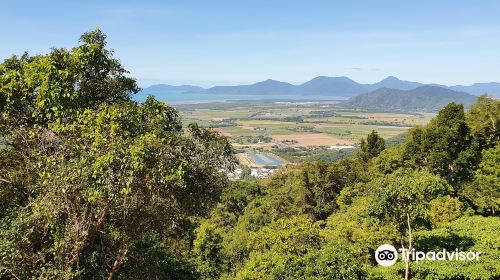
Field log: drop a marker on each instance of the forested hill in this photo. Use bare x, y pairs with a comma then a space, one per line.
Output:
422, 99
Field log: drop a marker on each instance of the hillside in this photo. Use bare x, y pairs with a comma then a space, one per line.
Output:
265, 87
423, 99
322, 85
337, 86
395, 83
492, 89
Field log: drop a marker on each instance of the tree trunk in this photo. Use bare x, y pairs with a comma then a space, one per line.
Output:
116, 265
407, 261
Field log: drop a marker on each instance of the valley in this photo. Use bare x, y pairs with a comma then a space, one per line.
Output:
296, 131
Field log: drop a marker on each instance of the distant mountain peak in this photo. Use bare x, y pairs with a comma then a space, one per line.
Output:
395, 83
391, 78
321, 85
271, 81
340, 78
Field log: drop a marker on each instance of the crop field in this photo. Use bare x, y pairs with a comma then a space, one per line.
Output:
259, 159
261, 126
312, 139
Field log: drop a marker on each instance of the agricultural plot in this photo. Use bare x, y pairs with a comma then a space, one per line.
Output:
312, 139
259, 159
295, 124
265, 159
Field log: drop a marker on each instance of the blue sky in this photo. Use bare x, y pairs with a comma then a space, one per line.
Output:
231, 42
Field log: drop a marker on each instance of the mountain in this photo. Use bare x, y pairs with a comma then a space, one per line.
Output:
322, 85
422, 99
162, 88
335, 86
492, 89
395, 83
264, 88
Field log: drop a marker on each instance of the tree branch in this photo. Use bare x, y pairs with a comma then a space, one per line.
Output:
116, 265
5, 181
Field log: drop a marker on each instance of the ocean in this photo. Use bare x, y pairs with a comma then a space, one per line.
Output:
196, 98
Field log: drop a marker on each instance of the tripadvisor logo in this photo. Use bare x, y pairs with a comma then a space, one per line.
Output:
387, 255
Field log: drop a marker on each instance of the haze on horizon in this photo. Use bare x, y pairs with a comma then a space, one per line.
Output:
210, 43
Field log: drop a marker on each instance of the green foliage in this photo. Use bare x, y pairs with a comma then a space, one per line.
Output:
47, 88
388, 161
147, 258
372, 146
476, 233
445, 209
290, 249
405, 195
484, 190
308, 154
358, 204
88, 175
94, 185
333, 261
219, 244
239, 193
443, 146
483, 119
207, 249
118, 174
309, 189
294, 235
354, 227
312, 188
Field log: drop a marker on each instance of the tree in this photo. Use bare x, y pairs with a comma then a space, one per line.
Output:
469, 233
38, 91
216, 246
372, 146
355, 227
120, 174
333, 261
484, 190
207, 248
388, 161
312, 188
443, 146
402, 199
290, 248
92, 175
483, 119
46, 88
445, 209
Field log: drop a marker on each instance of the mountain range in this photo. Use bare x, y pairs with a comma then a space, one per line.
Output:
322, 85
425, 98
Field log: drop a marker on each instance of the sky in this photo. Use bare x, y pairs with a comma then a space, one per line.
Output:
214, 42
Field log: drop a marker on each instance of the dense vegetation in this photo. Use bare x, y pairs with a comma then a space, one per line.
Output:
94, 185
421, 99
325, 220
306, 154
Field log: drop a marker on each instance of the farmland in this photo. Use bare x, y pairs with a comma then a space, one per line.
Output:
288, 128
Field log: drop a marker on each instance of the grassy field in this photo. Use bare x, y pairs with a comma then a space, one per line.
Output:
266, 125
